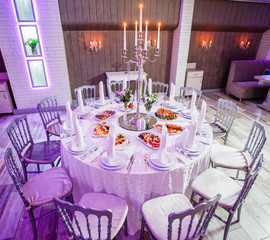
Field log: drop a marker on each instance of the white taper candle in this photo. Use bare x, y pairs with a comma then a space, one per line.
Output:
158, 36
145, 40
136, 34
140, 29
125, 37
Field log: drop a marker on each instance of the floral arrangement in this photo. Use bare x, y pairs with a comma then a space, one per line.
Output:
149, 100
125, 95
32, 42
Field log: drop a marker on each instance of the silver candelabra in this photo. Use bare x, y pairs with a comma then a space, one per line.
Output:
140, 59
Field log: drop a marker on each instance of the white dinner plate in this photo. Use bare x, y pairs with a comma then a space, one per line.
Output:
196, 149
78, 150
154, 161
120, 160
98, 103
126, 144
87, 110
168, 105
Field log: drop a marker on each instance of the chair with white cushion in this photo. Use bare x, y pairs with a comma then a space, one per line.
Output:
96, 216
214, 181
39, 190
173, 217
186, 94
229, 157
225, 115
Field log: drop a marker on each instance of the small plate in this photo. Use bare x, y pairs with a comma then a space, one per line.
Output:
128, 110
154, 160
78, 150
148, 145
196, 149
121, 160
168, 105
104, 119
172, 134
98, 103
87, 110
125, 145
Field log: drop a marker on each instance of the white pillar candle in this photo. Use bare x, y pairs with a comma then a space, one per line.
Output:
124, 84
158, 36
136, 33
101, 93
125, 37
145, 40
150, 86
140, 29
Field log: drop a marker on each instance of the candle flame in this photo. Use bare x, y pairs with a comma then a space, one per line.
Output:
159, 24
136, 22
141, 6
146, 22
125, 24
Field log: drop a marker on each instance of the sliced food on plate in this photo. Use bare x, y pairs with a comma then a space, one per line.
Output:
149, 139
172, 128
120, 139
101, 129
105, 115
166, 114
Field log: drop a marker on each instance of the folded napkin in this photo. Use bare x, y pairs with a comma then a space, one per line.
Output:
78, 140
150, 86
138, 125
202, 114
172, 93
191, 133
192, 102
111, 144
80, 101
142, 124
163, 158
69, 123
124, 84
101, 93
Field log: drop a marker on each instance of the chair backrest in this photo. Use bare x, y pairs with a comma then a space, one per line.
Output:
226, 113
48, 111
186, 94
19, 134
88, 91
112, 87
73, 215
159, 87
249, 181
188, 227
15, 174
255, 142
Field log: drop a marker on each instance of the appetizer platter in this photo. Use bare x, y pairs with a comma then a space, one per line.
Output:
150, 140
171, 128
130, 107
166, 114
104, 115
122, 141
101, 129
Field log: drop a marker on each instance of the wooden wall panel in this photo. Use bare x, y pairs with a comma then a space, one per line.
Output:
224, 15
77, 15
217, 60
87, 67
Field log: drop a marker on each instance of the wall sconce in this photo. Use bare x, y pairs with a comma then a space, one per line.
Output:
95, 46
244, 45
150, 45
206, 44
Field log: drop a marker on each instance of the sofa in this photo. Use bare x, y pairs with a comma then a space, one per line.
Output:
241, 82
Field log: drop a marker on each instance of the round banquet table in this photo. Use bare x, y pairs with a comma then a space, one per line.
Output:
141, 183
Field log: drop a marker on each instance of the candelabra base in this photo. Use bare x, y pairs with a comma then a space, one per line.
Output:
135, 119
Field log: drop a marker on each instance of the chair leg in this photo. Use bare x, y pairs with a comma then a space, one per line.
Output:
38, 167
239, 213
226, 139
192, 196
142, 228
48, 136
237, 174
33, 223
126, 227
228, 224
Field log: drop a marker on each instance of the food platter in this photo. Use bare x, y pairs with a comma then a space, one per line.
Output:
101, 129
105, 115
172, 129
122, 142
166, 114
150, 140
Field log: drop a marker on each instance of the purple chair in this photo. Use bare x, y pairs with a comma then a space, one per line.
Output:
39, 190
29, 152
213, 181
96, 216
173, 217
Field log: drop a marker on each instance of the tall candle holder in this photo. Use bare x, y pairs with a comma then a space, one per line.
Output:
139, 60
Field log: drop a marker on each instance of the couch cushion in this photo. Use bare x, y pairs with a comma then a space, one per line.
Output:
157, 210
43, 187
252, 84
266, 71
213, 181
102, 201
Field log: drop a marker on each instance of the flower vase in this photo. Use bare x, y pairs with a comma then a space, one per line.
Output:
125, 105
148, 109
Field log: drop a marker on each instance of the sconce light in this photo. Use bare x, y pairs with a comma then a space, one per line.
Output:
206, 44
95, 46
244, 45
151, 45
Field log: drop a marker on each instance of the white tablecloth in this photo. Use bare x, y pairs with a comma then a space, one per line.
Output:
139, 185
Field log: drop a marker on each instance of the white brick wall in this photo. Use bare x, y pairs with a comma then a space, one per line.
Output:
264, 48
53, 50
181, 39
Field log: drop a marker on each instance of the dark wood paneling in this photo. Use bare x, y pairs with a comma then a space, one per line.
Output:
110, 14
223, 15
217, 60
89, 67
